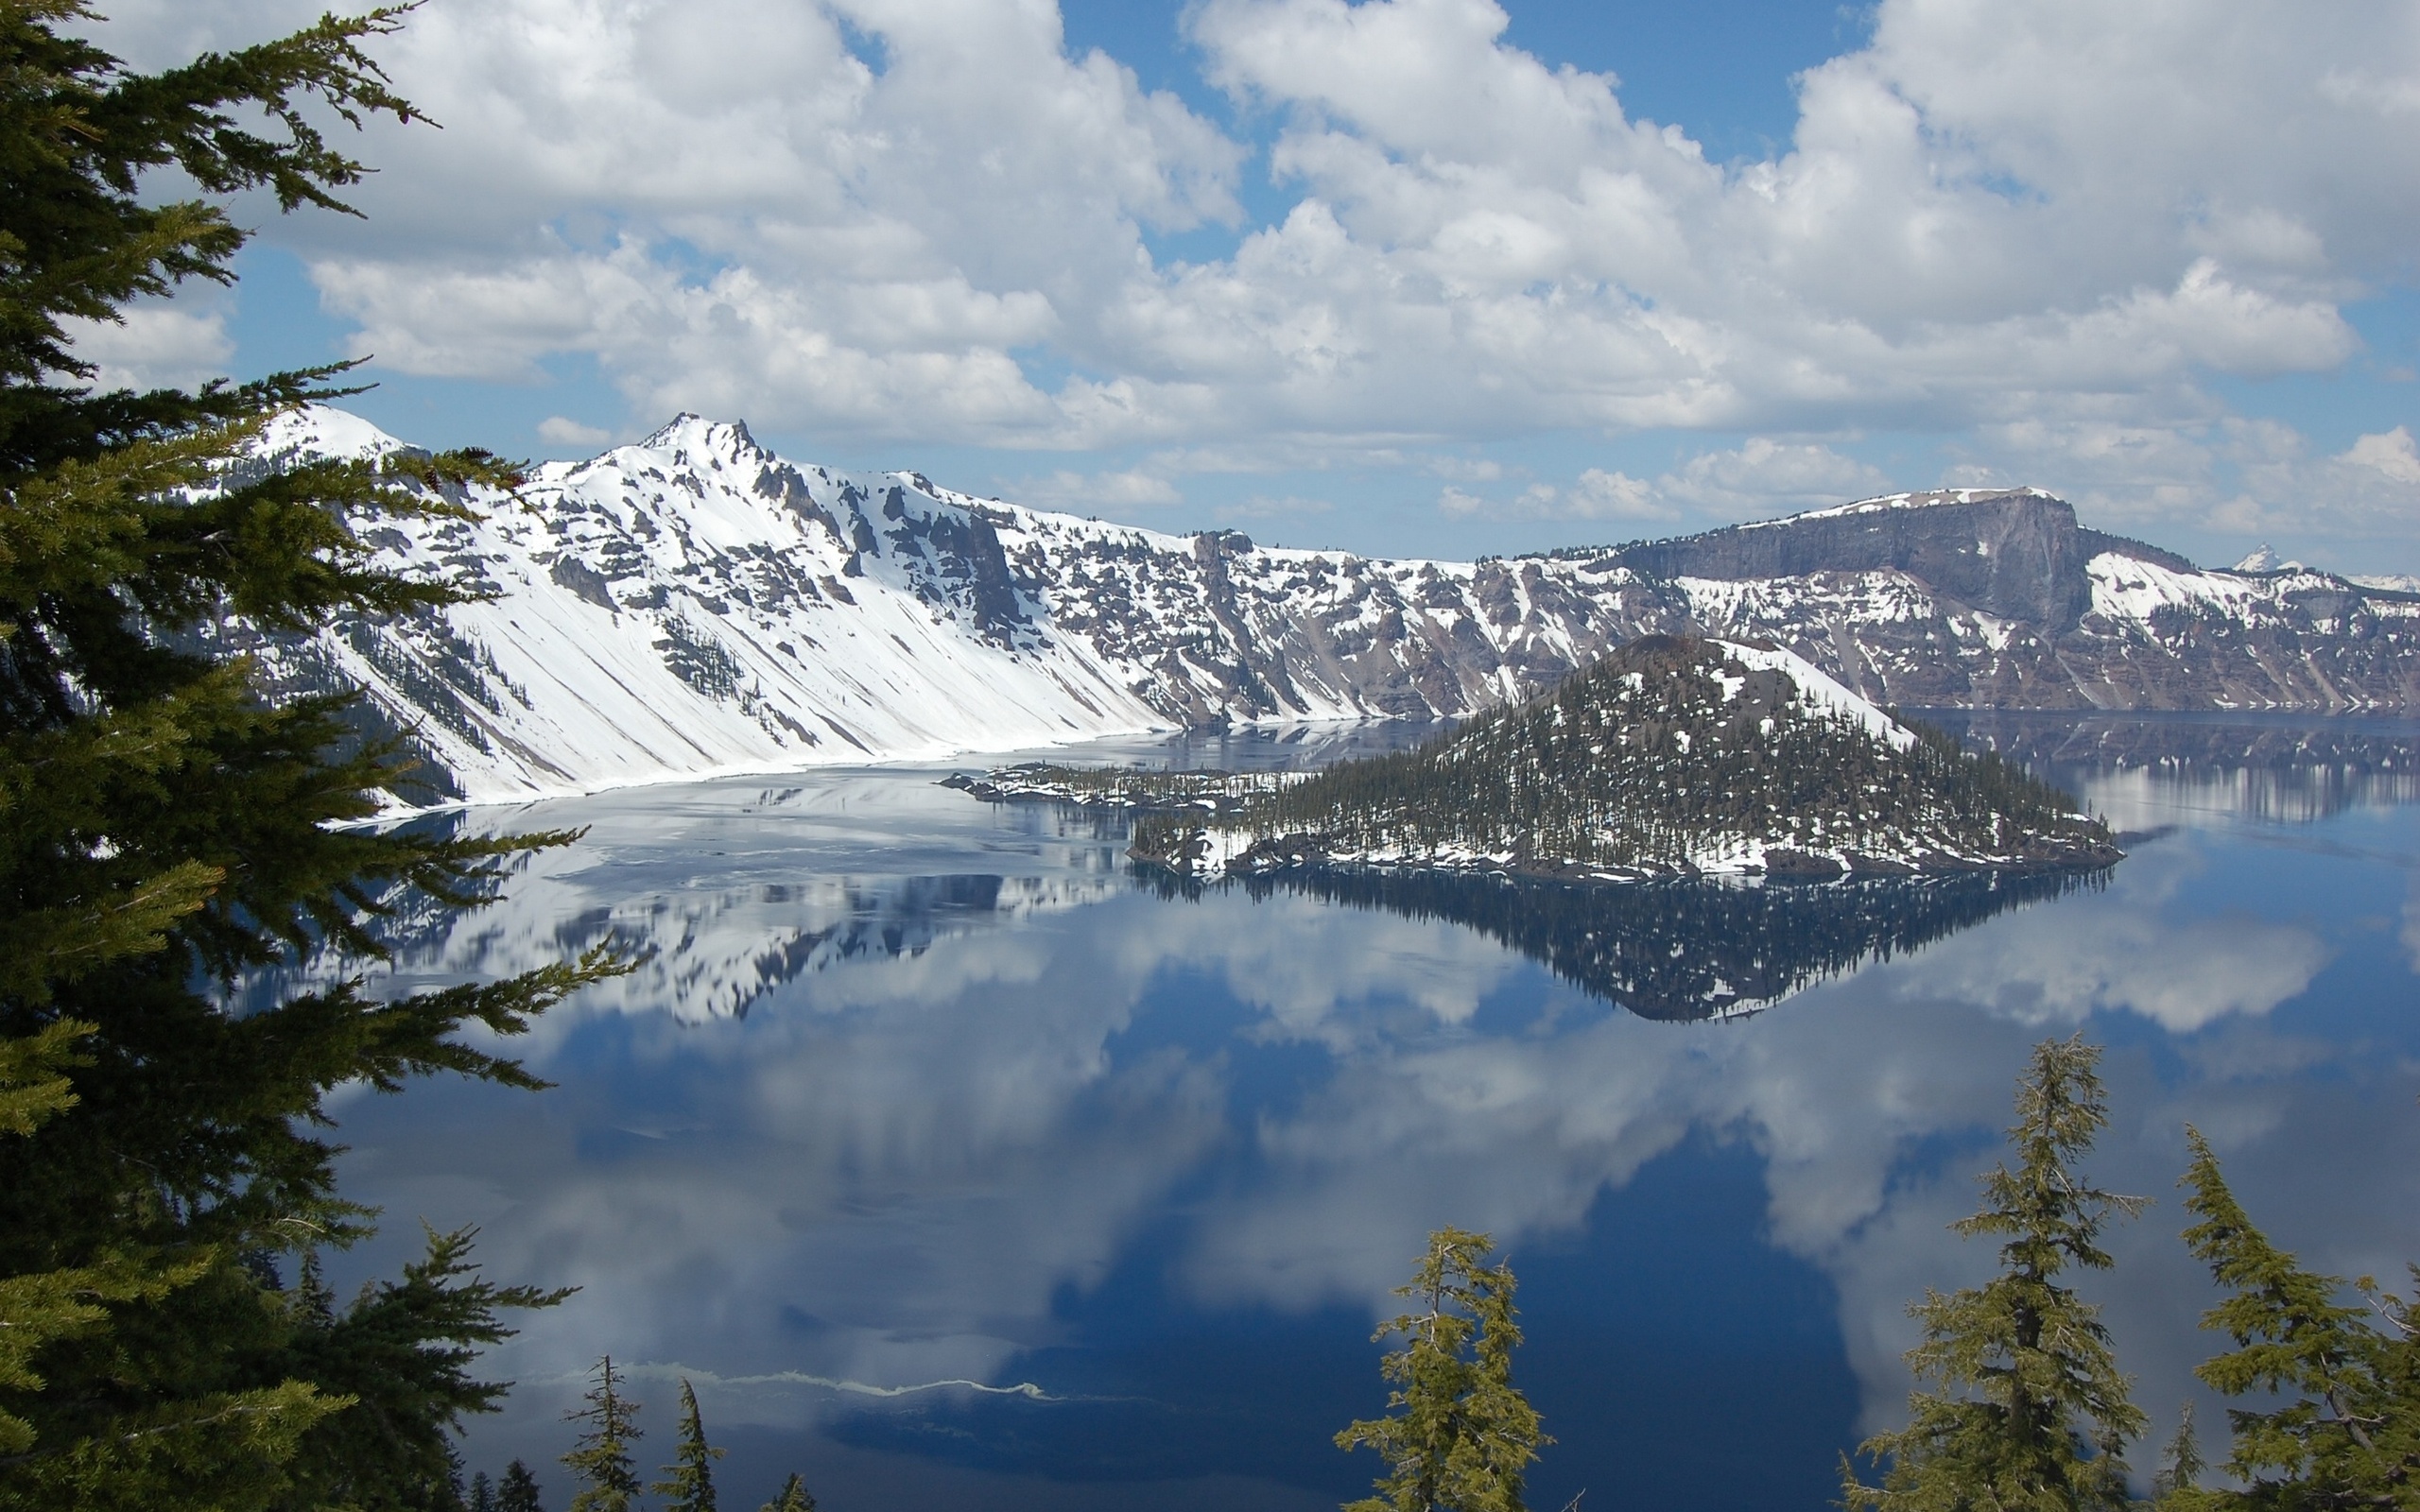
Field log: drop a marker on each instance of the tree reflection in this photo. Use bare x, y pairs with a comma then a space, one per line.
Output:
1682, 951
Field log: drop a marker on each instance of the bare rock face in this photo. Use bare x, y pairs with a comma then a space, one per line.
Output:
2017, 555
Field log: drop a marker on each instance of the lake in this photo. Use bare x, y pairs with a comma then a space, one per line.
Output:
958, 1166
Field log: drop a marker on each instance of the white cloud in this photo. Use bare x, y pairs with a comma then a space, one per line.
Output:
1131, 487
868, 217
1759, 476
563, 431
154, 345
2390, 455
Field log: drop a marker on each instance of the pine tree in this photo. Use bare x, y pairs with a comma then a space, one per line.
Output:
689, 1480
2346, 1430
794, 1498
518, 1490
601, 1457
2029, 1412
482, 1493
1462, 1434
166, 826
2177, 1488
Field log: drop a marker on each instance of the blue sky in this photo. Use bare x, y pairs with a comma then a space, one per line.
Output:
1414, 277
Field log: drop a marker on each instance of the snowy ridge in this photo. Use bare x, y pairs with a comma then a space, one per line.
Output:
1877, 505
692, 605
1818, 694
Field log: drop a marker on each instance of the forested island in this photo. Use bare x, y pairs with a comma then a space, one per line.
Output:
1671, 756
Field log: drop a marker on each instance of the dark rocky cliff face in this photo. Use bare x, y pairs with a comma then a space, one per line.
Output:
2017, 555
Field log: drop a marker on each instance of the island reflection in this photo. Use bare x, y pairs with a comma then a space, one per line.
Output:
1685, 950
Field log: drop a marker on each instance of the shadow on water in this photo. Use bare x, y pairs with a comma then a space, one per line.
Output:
1685, 951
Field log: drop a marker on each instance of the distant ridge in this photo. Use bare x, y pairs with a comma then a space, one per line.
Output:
693, 604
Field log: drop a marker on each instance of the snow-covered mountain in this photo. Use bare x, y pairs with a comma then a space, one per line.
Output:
694, 604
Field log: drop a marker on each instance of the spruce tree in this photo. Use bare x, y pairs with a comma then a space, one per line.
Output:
2345, 1428
1460, 1435
601, 1457
482, 1493
167, 826
518, 1490
689, 1480
2029, 1411
2177, 1488
794, 1498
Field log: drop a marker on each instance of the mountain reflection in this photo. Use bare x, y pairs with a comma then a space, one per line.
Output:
2288, 768
1682, 951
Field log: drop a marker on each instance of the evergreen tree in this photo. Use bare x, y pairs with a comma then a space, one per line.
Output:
518, 1490
482, 1493
1462, 1434
2178, 1484
2029, 1412
794, 1498
689, 1480
601, 1457
2346, 1430
166, 826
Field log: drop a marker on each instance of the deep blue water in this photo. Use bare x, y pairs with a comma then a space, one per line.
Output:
916, 1091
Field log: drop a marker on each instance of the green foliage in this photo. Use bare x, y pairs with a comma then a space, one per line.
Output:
2029, 1412
794, 1498
482, 1493
689, 1480
601, 1457
518, 1490
2177, 1488
2345, 1431
1461, 1434
166, 827
1661, 751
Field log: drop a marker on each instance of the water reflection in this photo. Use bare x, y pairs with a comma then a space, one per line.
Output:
1680, 950
2133, 768
919, 1090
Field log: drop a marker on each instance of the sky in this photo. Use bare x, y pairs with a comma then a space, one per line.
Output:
1434, 278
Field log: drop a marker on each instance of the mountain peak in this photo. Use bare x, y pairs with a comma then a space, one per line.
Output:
691, 432
2264, 559
324, 431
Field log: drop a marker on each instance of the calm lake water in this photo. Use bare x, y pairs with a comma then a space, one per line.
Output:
958, 1167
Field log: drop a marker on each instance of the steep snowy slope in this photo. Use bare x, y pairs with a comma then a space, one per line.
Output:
694, 604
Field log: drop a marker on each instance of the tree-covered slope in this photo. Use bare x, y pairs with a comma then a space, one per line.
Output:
1669, 756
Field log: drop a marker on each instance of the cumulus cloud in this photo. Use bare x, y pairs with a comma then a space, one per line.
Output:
563, 431
1129, 487
154, 345
1759, 476
872, 216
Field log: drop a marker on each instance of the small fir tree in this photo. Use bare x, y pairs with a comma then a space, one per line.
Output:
1460, 1435
2177, 1488
2029, 1411
601, 1457
518, 1490
689, 1480
794, 1498
2346, 1430
482, 1493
